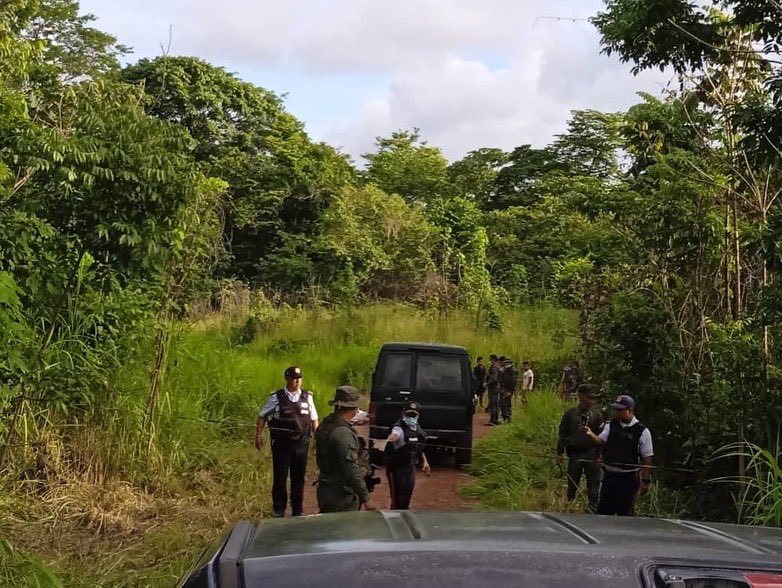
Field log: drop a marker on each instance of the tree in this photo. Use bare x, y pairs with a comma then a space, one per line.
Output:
517, 181
475, 175
590, 147
380, 243
279, 180
405, 165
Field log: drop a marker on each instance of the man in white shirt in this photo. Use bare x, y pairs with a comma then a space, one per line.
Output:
527, 381
292, 419
626, 447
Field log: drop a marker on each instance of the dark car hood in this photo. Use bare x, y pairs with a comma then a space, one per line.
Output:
389, 531
458, 549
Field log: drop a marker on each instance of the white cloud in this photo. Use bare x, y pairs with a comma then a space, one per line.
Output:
469, 73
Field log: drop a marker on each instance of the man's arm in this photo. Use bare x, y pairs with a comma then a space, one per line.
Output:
260, 425
396, 435
564, 434
600, 439
313, 413
266, 411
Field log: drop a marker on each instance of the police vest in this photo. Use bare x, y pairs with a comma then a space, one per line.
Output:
621, 451
294, 421
406, 455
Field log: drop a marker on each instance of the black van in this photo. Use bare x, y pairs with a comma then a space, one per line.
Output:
436, 376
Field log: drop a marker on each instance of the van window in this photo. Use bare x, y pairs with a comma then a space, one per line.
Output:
396, 370
439, 373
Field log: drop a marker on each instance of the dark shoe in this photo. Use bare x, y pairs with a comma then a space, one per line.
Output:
298, 514
279, 515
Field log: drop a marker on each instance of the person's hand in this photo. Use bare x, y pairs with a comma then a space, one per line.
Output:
427, 469
646, 485
259, 442
598, 463
560, 459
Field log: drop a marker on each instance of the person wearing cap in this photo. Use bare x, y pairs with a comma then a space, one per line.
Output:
342, 463
404, 450
579, 448
292, 417
627, 454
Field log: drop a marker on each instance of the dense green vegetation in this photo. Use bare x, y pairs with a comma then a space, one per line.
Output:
103, 517
136, 199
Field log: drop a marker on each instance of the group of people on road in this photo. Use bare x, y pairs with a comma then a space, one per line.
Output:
346, 477
500, 383
613, 455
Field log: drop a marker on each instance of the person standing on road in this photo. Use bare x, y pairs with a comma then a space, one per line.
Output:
493, 388
292, 418
627, 455
343, 466
509, 377
479, 380
527, 381
403, 452
579, 448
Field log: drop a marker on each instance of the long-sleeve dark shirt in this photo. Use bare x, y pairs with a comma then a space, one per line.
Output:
479, 377
571, 433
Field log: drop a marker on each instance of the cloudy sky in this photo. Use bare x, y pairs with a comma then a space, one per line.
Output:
468, 73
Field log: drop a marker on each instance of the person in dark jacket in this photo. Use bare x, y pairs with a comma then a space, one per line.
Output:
292, 417
403, 452
493, 388
343, 464
479, 381
509, 377
579, 448
627, 453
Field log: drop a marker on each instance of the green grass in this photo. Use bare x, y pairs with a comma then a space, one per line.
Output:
136, 520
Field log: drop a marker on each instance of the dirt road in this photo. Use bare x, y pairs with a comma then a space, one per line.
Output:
436, 492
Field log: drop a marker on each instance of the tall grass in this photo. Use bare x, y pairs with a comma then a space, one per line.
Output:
760, 490
20, 570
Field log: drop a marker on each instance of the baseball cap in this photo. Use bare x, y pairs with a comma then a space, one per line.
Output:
623, 401
294, 372
413, 406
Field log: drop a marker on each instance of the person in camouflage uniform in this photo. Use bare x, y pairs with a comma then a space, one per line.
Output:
342, 459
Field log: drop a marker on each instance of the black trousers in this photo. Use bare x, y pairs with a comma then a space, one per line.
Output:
289, 458
617, 494
506, 397
401, 483
583, 464
494, 405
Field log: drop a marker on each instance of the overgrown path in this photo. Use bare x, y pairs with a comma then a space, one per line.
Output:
440, 491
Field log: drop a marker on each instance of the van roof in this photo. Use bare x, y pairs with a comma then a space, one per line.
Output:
436, 347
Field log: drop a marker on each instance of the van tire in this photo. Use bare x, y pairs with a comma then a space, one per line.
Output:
463, 456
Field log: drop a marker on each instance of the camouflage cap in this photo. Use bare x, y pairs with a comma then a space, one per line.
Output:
345, 397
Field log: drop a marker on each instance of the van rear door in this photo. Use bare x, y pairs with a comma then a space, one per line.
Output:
443, 389
392, 386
